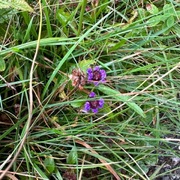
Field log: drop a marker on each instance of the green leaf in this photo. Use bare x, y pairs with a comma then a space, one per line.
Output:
63, 16
72, 157
15, 4
2, 65
141, 13
84, 64
168, 9
4, 4
152, 9
76, 104
15, 49
120, 97
49, 164
170, 22
155, 20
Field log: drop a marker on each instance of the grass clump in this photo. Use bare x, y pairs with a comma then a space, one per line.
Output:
45, 54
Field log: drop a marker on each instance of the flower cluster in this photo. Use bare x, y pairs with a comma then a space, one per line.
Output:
93, 105
96, 75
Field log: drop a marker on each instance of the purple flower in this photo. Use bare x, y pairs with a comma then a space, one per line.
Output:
93, 105
96, 75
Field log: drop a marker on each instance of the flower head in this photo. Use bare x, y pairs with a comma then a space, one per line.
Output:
96, 75
78, 78
93, 105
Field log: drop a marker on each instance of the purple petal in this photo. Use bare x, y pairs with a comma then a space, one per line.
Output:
89, 70
103, 74
90, 76
87, 106
90, 73
92, 95
96, 68
101, 103
95, 110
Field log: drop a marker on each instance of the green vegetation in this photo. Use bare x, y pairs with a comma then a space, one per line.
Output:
45, 133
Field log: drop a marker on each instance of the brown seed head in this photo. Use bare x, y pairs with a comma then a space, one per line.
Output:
78, 78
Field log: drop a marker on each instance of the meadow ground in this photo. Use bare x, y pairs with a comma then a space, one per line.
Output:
90, 89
